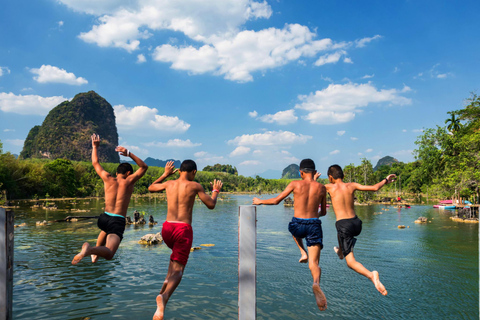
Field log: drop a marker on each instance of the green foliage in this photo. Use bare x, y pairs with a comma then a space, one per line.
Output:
221, 168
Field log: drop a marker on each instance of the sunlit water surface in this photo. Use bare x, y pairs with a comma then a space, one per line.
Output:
430, 270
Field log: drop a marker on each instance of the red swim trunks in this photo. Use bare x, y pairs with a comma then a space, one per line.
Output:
178, 236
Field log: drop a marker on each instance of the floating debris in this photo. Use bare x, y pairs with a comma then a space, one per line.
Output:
421, 220
41, 223
151, 239
195, 249
20, 225
401, 226
207, 245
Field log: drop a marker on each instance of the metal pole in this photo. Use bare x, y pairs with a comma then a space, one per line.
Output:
247, 265
6, 264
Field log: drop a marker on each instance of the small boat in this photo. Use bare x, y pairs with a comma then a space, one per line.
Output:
450, 207
446, 202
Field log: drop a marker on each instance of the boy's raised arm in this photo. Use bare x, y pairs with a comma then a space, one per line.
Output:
277, 199
210, 202
376, 187
142, 165
323, 203
157, 185
96, 164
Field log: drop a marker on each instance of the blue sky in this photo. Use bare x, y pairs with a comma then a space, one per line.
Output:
258, 85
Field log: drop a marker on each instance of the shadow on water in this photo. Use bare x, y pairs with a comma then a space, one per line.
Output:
430, 270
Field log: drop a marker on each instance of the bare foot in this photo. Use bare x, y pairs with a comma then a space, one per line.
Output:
160, 306
303, 258
94, 258
82, 253
338, 252
378, 284
319, 297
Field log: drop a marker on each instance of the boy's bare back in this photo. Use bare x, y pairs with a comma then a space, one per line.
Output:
180, 199
181, 193
342, 199
308, 195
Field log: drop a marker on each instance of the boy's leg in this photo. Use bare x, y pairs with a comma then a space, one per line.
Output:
101, 240
359, 268
107, 251
174, 276
303, 252
338, 250
313, 261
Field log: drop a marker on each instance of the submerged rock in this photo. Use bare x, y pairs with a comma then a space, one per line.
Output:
151, 239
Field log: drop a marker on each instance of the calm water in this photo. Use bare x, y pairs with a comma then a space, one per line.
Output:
430, 271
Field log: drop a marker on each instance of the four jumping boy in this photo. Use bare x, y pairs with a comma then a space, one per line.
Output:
181, 193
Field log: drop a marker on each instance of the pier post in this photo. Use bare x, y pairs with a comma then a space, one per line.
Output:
6, 264
247, 265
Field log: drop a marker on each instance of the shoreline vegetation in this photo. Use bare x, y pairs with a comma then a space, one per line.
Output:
446, 166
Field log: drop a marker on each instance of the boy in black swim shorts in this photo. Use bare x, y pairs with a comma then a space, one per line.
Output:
308, 195
348, 224
118, 191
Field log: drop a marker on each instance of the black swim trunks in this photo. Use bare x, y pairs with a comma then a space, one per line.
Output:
347, 229
112, 224
310, 229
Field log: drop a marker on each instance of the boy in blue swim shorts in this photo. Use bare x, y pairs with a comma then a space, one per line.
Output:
309, 195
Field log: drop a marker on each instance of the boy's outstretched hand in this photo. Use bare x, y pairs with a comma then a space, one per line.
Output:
217, 185
256, 201
95, 140
391, 178
123, 151
170, 168
316, 176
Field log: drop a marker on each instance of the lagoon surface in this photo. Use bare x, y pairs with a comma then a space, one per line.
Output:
430, 271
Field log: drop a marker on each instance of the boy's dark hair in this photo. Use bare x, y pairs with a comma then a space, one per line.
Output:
307, 165
188, 166
123, 168
335, 171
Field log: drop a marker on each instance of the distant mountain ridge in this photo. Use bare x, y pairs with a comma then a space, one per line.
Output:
151, 162
385, 161
66, 131
291, 172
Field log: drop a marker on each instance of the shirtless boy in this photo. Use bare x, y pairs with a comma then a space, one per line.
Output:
118, 191
177, 230
348, 224
308, 195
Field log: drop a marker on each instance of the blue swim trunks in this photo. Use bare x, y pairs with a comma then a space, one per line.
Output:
310, 229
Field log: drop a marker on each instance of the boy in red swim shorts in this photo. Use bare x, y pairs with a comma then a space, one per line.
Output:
177, 230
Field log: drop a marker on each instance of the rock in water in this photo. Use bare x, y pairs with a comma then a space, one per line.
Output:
151, 239
66, 130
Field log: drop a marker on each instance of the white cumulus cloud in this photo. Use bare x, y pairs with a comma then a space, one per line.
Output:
363, 42
141, 58
142, 117
368, 150
175, 143
250, 163
241, 150
335, 152
52, 74
270, 138
253, 114
4, 70
339, 103
28, 104
341, 133
281, 117
330, 58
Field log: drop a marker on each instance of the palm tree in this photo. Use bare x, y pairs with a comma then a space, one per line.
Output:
455, 124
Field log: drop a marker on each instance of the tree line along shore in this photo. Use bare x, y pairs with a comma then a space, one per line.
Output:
447, 165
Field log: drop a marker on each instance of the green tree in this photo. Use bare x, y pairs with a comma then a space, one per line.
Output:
60, 177
454, 123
